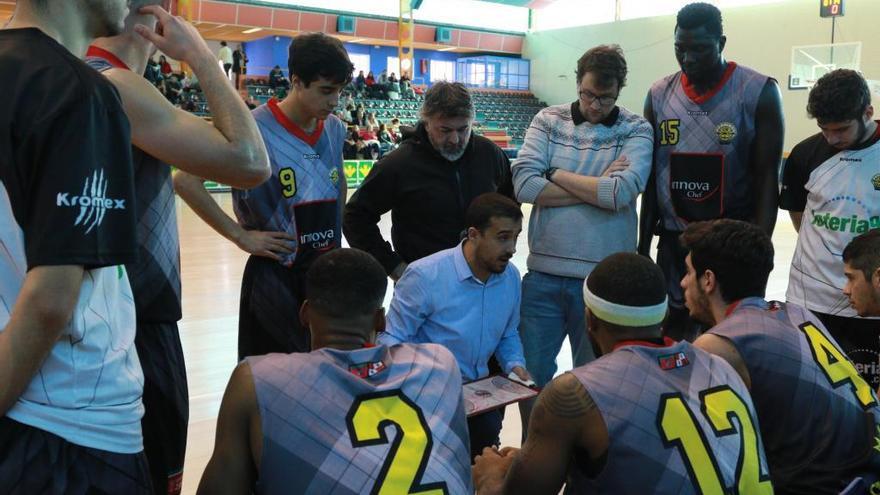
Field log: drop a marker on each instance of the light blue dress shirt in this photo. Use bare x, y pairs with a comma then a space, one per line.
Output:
439, 300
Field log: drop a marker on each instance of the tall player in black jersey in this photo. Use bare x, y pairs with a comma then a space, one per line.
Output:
70, 383
229, 149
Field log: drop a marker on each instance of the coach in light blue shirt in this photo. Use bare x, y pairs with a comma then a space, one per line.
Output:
467, 299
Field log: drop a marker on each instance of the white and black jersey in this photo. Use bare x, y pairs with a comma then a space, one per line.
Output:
838, 192
67, 199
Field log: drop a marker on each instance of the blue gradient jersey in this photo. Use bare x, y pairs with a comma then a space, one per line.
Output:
301, 197
820, 420
680, 421
702, 147
374, 420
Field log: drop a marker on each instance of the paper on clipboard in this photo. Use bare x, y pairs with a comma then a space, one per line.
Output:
493, 392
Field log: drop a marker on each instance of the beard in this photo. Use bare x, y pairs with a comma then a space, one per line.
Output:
451, 153
702, 311
107, 16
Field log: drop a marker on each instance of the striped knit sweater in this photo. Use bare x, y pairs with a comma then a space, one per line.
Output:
569, 241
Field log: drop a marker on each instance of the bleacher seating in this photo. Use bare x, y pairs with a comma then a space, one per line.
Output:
501, 116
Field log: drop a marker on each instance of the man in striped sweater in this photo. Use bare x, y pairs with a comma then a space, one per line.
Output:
582, 165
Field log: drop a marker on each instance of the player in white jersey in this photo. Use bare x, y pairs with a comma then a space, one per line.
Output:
831, 188
70, 381
348, 418
861, 266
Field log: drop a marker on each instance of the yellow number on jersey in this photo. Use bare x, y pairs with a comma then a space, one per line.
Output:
669, 132
679, 428
287, 178
837, 368
410, 450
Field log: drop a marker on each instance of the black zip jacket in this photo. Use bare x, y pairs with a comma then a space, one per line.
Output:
427, 196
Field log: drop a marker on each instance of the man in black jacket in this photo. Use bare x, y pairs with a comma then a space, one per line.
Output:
427, 183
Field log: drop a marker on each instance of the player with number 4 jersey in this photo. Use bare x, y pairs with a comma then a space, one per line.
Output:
348, 418
820, 421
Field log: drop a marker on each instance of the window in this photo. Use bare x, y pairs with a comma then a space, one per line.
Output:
394, 66
361, 62
442, 70
570, 13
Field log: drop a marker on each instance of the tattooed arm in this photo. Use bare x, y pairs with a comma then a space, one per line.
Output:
563, 419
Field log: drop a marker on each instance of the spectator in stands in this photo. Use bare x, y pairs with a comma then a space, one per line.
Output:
238, 62
370, 79
360, 115
383, 78
348, 102
395, 129
153, 72
371, 119
582, 166
384, 136
277, 79
427, 183
392, 78
225, 56
164, 66
404, 77
349, 147
369, 133
173, 89
360, 83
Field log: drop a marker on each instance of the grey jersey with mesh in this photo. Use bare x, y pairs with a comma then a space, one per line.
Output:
630, 387
815, 432
722, 125
316, 412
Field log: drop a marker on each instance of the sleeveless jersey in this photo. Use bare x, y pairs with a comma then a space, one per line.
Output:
843, 202
818, 421
334, 422
652, 400
702, 147
155, 277
302, 195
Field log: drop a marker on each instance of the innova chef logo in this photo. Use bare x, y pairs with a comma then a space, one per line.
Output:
93, 202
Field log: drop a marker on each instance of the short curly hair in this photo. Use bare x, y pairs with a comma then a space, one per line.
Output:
839, 96
740, 255
606, 63
700, 14
863, 253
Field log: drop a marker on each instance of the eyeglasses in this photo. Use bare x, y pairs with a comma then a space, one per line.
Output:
588, 97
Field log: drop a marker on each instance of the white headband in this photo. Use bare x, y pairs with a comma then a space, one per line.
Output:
619, 314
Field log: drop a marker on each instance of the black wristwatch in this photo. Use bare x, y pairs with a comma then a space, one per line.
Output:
550, 172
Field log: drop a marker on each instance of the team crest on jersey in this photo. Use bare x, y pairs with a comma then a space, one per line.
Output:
875, 181
334, 176
673, 361
366, 370
726, 132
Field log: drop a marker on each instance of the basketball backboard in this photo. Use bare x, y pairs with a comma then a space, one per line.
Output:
810, 62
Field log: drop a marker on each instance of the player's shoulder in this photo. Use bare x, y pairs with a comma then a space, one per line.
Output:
49, 79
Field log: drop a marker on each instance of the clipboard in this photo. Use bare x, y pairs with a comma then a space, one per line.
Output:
493, 392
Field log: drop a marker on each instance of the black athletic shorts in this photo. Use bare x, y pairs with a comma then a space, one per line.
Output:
166, 404
33, 461
268, 319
